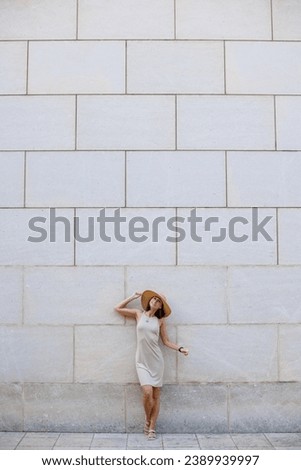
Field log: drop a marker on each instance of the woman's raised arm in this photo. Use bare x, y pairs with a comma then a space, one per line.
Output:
167, 342
128, 312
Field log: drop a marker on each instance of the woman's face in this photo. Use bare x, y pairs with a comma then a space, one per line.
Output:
155, 302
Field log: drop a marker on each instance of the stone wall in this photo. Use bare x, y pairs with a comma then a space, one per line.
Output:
156, 108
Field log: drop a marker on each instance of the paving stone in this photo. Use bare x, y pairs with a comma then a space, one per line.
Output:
74, 440
10, 440
251, 441
285, 440
109, 441
38, 440
180, 441
140, 441
215, 441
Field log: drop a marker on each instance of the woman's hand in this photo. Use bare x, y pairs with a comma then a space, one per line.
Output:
184, 351
136, 295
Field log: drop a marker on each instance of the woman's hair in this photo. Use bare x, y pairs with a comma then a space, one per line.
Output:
159, 313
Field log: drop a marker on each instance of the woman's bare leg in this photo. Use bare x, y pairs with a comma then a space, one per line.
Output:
156, 407
148, 401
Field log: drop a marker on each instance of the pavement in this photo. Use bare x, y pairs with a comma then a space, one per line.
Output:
134, 441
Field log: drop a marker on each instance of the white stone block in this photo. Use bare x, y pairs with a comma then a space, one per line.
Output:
11, 295
37, 122
196, 295
33, 19
217, 19
176, 179
11, 418
226, 122
105, 354
264, 294
76, 179
13, 59
228, 353
140, 239
265, 407
288, 120
287, 19
126, 19
126, 122
290, 352
12, 171
39, 354
289, 228
72, 295
228, 236
44, 247
263, 67
175, 67
73, 409
59, 67
264, 179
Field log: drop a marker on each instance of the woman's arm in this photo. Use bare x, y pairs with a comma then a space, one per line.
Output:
128, 312
167, 342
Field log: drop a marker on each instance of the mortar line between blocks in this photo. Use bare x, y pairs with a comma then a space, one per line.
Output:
125, 404
75, 125
169, 149
177, 359
278, 353
175, 18
176, 122
272, 21
225, 76
228, 408
205, 94
73, 372
125, 274
27, 67
177, 246
155, 39
227, 296
275, 122
125, 178
24, 179
76, 20
23, 410
277, 235
74, 238
226, 177
23, 290
126, 67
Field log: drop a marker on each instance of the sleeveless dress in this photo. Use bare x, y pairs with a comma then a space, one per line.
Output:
149, 359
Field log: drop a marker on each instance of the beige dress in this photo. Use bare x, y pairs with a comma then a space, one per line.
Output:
149, 359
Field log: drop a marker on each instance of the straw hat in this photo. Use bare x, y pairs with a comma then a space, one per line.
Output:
148, 294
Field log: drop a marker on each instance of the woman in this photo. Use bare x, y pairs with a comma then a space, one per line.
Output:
149, 360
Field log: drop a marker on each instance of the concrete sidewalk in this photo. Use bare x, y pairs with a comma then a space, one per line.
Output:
94, 441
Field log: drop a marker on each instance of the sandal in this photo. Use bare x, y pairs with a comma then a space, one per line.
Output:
146, 428
152, 434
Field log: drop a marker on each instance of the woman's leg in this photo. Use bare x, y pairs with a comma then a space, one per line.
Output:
148, 401
156, 408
